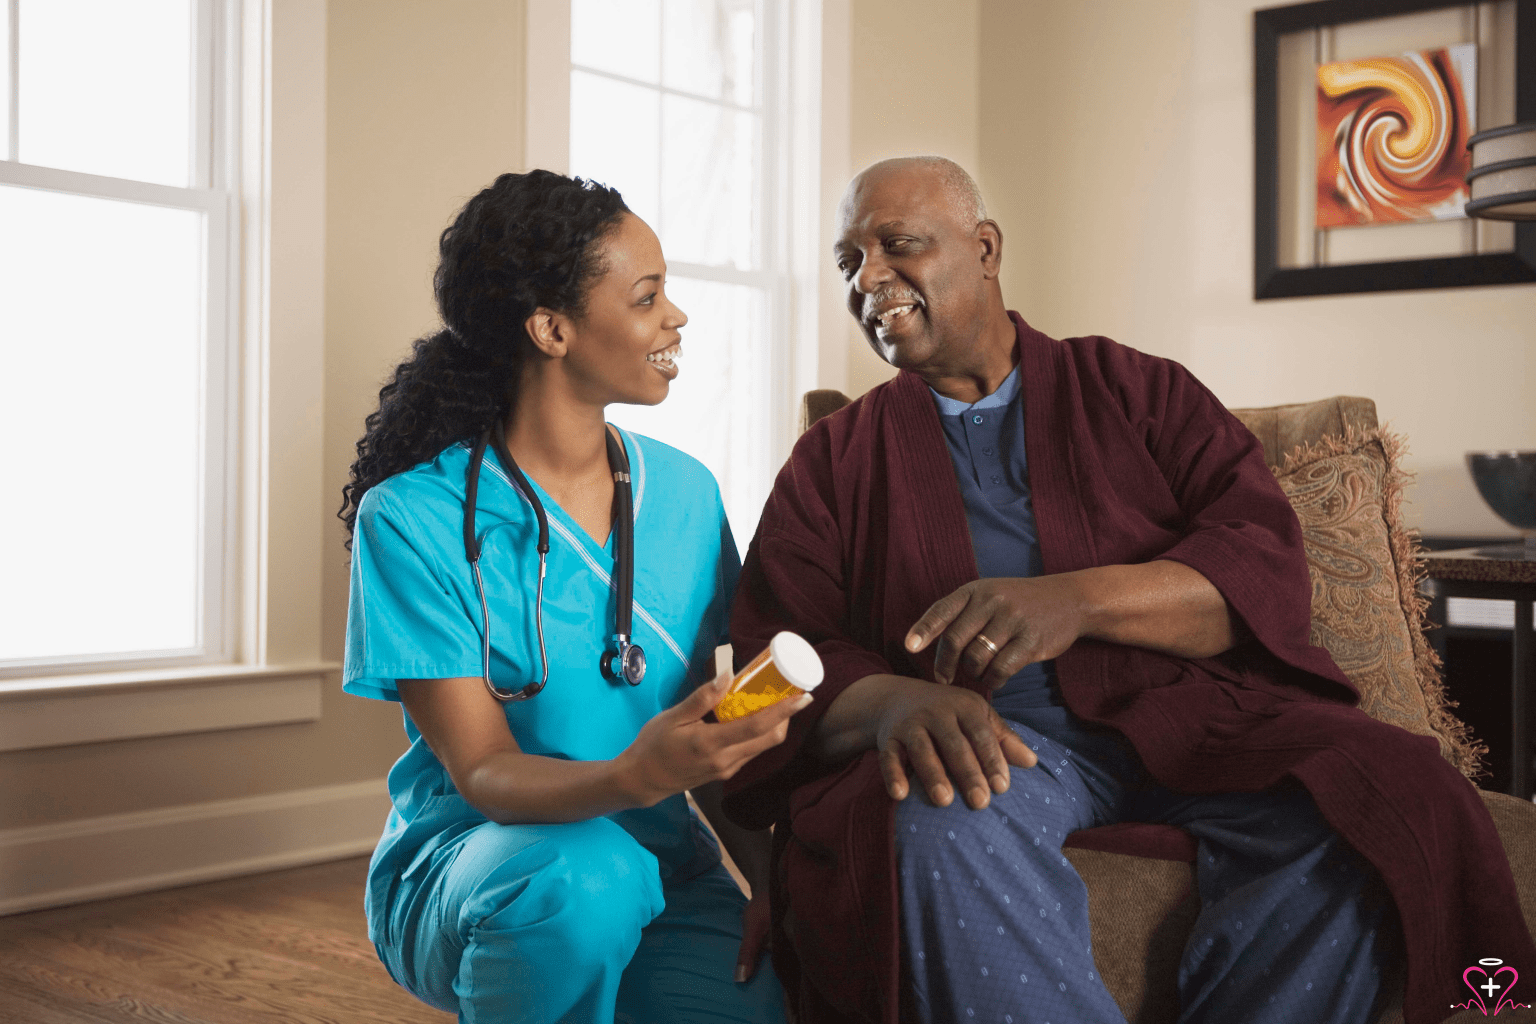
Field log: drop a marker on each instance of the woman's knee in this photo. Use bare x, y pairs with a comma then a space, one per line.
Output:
590, 877
518, 900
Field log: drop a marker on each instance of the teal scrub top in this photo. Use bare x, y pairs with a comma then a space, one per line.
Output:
414, 614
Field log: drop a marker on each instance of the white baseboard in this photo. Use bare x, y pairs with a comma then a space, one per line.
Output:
118, 854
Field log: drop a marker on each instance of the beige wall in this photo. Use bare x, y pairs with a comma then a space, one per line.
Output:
913, 88
1116, 151
426, 108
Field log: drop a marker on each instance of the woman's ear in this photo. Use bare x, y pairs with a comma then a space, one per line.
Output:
549, 331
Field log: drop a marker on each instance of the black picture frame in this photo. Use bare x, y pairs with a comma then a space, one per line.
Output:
1272, 281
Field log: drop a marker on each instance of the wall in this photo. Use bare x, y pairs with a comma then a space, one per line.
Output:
426, 108
1116, 152
913, 89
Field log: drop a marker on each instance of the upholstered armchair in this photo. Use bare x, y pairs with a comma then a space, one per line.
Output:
1341, 474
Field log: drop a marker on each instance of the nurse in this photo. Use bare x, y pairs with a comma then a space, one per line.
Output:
541, 862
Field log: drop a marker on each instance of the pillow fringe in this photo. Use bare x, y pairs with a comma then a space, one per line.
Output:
1467, 752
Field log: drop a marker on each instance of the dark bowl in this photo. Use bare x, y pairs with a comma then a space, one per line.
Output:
1507, 482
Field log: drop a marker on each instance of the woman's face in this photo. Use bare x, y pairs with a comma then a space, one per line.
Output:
625, 348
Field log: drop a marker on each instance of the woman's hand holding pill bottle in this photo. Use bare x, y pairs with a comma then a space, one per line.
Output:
677, 750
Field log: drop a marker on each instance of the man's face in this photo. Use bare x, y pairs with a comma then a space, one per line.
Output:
913, 267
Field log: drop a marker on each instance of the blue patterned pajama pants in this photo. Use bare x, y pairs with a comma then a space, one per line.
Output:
1294, 924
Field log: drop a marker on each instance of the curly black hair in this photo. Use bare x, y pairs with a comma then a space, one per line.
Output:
529, 241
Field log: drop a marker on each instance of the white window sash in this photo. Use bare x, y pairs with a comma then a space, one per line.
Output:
216, 70
791, 239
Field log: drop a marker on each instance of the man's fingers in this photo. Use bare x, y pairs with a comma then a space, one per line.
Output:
960, 761
933, 621
983, 736
1015, 750
960, 635
983, 650
1008, 662
928, 768
892, 771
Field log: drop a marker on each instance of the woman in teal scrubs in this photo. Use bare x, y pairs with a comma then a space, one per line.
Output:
541, 862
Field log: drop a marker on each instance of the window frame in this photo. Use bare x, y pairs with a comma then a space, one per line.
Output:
274, 672
212, 192
788, 271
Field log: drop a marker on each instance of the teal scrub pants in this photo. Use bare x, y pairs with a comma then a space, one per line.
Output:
572, 922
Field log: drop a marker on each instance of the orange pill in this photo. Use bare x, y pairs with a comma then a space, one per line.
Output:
787, 667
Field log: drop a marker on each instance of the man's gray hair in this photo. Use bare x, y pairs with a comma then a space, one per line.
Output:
959, 186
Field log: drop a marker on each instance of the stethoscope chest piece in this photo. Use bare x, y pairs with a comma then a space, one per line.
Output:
624, 660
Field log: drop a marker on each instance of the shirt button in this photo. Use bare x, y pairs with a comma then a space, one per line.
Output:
977, 418
996, 479
986, 451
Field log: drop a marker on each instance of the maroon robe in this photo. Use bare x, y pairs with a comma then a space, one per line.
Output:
1130, 459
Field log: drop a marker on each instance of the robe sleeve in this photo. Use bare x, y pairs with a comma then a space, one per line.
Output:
792, 579
1241, 532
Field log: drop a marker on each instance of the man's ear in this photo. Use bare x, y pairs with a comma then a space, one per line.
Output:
991, 238
549, 331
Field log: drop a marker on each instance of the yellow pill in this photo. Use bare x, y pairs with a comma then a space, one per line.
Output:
787, 667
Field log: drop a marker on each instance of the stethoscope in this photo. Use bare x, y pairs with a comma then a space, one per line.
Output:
622, 658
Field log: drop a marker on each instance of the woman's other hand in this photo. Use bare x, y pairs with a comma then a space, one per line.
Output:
678, 750
756, 923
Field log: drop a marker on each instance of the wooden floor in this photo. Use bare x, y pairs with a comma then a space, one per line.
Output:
290, 947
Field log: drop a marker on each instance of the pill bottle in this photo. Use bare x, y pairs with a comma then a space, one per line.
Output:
787, 667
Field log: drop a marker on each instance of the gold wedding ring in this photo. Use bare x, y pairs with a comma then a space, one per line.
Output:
990, 645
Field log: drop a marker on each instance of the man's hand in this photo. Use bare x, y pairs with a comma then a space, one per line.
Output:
945, 733
992, 628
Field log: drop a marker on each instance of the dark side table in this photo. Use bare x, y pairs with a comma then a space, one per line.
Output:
1505, 572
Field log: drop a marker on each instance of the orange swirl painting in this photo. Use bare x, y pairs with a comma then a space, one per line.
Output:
1392, 137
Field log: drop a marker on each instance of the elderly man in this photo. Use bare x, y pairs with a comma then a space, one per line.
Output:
1057, 578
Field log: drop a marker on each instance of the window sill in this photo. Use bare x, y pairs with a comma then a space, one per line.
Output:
54, 711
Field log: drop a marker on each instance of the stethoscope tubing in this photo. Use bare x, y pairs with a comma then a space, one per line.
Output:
623, 652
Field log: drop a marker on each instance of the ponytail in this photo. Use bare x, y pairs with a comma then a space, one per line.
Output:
529, 241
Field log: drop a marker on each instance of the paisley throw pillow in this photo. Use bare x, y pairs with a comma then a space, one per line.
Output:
1366, 607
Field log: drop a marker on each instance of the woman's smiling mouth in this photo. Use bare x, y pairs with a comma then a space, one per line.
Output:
665, 360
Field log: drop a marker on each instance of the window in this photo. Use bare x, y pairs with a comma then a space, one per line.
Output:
117, 329
683, 106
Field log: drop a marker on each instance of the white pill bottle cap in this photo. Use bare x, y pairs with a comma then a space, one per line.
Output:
796, 660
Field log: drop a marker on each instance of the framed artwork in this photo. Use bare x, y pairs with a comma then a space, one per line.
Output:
1362, 112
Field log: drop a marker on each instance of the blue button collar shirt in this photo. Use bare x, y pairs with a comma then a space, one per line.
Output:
986, 445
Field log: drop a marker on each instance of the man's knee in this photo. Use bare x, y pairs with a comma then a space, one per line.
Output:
1020, 830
